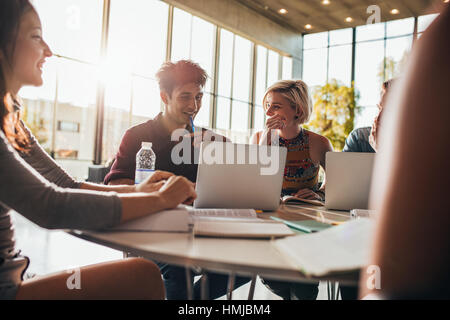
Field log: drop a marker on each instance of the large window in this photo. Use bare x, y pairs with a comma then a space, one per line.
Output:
370, 69
287, 68
72, 28
260, 87
134, 55
241, 84
241, 87
315, 66
234, 80
423, 22
273, 65
193, 38
102, 75
327, 56
381, 51
70, 82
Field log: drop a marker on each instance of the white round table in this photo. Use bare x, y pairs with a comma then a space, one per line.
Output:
245, 257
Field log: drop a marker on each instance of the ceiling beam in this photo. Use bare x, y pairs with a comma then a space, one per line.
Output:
245, 22
267, 12
331, 17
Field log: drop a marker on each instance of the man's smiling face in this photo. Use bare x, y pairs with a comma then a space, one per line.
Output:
184, 102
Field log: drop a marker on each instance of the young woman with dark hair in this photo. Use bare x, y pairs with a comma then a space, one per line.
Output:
35, 186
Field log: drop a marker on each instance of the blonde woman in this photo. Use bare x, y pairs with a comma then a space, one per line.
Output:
288, 105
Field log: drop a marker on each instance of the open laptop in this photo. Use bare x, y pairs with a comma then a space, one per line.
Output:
239, 176
348, 179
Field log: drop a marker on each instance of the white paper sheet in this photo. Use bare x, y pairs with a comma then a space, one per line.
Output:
342, 248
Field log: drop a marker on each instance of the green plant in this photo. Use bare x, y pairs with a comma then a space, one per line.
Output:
335, 107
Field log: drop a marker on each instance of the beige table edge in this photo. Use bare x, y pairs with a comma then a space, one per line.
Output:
245, 257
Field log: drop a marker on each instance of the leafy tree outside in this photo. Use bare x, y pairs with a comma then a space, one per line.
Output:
335, 108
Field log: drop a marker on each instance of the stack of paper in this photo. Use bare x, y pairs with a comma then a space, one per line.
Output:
257, 229
243, 223
208, 222
238, 215
339, 249
363, 213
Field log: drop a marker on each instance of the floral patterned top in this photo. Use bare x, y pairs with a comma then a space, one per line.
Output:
300, 171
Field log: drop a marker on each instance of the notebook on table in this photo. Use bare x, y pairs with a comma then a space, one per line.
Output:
183, 217
242, 223
257, 229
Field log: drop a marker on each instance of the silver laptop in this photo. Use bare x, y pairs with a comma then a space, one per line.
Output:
348, 179
239, 176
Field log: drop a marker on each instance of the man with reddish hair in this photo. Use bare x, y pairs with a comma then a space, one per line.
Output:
181, 89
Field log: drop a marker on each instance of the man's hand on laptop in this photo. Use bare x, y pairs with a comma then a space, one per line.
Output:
154, 182
177, 190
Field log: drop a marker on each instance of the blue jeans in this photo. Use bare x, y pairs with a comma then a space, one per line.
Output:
176, 286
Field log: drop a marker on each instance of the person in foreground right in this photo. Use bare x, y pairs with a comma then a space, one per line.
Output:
412, 238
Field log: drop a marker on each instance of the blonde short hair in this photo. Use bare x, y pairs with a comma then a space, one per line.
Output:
297, 93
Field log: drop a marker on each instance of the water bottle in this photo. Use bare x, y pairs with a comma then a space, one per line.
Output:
145, 162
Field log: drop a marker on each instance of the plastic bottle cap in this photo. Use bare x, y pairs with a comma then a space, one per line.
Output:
146, 145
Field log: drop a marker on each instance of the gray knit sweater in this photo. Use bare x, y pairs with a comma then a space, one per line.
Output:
39, 189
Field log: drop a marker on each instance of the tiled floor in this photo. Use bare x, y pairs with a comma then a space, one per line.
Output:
52, 251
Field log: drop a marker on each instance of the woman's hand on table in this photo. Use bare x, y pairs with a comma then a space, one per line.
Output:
154, 182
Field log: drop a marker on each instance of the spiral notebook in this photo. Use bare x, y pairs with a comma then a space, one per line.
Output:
242, 223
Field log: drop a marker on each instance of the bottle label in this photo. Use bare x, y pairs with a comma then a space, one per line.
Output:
142, 175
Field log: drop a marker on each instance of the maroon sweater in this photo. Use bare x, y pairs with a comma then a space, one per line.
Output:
153, 131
